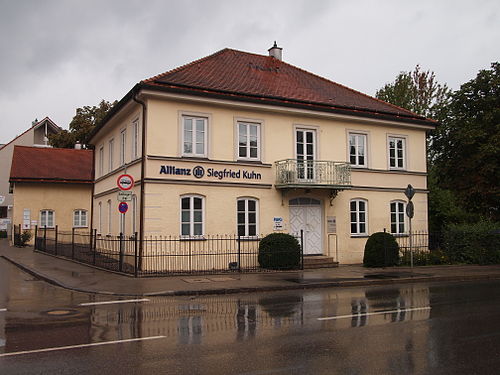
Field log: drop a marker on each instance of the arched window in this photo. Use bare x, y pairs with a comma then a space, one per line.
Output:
247, 212
358, 208
398, 217
80, 218
192, 215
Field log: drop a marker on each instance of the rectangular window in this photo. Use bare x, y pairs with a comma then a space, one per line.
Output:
247, 217
135, 139
101, 160
192, 216
111, 154
123, 143
194, 136
305, 150
109, 217
47, 218
397, 217
248, 141
99, 213
80, 218
358, 217
397, 152
357, 150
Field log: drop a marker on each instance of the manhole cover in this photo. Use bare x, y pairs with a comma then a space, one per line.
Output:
61, 312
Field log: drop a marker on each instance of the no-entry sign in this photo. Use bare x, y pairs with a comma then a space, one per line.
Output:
125, 182
123, 207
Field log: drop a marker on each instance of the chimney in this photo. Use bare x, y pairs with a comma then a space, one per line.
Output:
275, 51
78, 145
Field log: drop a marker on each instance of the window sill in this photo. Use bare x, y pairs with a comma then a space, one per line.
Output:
360, 235
192, 238
400, 234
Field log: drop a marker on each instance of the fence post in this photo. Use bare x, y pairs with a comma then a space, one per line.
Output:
135, 254
36, 233
239, 253
121, 252
73, 243
45, 238
302, 249
94, 232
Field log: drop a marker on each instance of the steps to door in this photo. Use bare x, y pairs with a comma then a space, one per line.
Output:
320, 261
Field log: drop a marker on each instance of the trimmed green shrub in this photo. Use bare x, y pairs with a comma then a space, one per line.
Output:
279, 251
424, 258
477, 243
3, 234
381, 250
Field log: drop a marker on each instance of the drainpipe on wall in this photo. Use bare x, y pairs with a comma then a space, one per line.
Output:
143, 169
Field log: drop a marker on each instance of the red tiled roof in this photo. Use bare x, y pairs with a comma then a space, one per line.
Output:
51, 165
250, 75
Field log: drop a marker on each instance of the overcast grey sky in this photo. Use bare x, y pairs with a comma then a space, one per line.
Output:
57, 55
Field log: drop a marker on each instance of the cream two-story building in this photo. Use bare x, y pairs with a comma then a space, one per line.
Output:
241, 143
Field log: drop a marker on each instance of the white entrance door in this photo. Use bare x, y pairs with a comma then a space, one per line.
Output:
305, 215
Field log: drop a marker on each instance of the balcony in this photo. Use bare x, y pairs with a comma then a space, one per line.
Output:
312, 174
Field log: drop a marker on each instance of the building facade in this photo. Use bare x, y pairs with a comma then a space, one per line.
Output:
53, 192
246, 144
37, 135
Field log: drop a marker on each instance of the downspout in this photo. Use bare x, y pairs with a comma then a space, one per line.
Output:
143, 169
93, 192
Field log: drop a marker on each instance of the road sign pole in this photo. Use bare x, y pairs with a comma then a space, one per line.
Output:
411, 247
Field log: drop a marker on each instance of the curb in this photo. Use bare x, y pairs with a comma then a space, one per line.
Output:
221, 291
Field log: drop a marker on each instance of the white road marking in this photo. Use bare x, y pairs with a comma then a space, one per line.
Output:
81, 346
375, 313
3, 309
113, 302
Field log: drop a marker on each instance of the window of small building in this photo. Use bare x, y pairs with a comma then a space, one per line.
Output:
192, 214
398, 217
80, 218
357, 150
248, 140
47, 219
397, 152
194, 136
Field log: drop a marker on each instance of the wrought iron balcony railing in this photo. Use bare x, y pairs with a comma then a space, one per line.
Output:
292, 173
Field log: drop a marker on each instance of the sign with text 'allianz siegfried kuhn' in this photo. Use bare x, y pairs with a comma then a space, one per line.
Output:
212, 173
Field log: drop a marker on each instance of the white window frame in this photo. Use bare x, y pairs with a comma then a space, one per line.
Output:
399, 214
357, 220
134, 214
357, 136
191, 221
246, 213
99, 217
193, 137
404, 161
101, 160
110, 217
47, 211
135, 139
248, 125
78, 221
123, 146
111, 146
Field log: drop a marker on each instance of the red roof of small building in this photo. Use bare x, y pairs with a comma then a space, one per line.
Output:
38, 164
250, 75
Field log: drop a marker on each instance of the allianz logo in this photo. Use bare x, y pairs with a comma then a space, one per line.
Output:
220, 174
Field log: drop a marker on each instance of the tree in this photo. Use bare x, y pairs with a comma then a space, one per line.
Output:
81, 126
419, 92
465, 149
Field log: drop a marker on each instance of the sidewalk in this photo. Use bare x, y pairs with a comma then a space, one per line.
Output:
83, 278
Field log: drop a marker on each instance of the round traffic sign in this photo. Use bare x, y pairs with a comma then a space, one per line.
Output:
125, 182
123, 207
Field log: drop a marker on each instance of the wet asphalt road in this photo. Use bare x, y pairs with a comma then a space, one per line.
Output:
451, 328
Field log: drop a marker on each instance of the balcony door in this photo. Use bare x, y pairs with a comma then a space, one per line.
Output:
305, 149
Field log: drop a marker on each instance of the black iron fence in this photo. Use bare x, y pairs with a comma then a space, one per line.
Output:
159, 255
